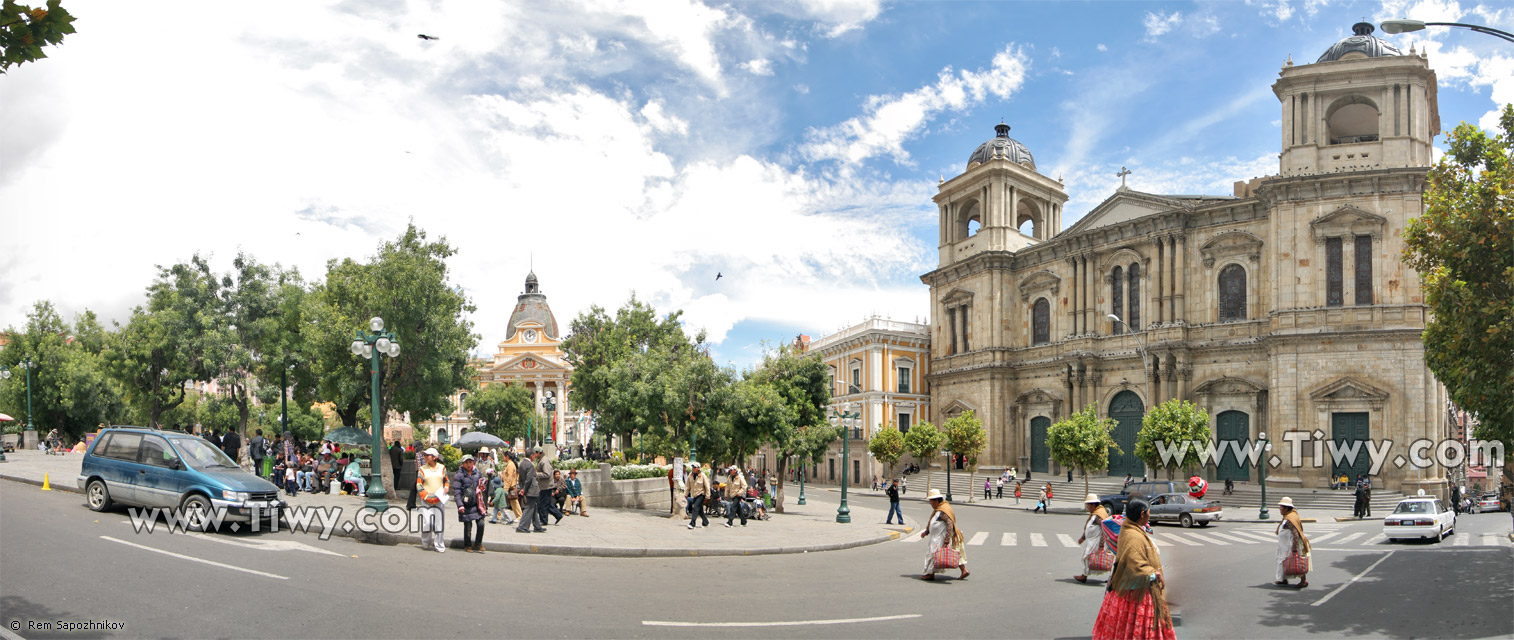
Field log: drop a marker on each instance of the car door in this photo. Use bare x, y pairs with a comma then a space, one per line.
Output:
159, 481
120, 459
1161, 508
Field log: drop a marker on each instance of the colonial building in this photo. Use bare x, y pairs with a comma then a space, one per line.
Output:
530, 355
878, 370
1283, 307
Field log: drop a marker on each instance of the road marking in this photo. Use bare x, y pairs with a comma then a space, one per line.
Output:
1322, 537
1352, 580
787, 623
1008, 540
1462, 540
1491, 539
194, 559
1179, 538
1066, 540
1037, 540
266, 545
1210, 540
1233, 538
978, 538
1349, 537
1372, 538
1261, 537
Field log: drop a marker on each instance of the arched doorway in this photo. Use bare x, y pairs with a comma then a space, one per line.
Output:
1039, 453
1126, 409
441, 436
1232, 430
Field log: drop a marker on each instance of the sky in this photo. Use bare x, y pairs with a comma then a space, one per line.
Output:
620, 146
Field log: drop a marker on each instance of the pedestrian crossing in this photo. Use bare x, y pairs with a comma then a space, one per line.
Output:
1319, 536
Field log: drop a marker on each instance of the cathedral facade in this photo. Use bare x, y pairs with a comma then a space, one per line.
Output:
1283, 309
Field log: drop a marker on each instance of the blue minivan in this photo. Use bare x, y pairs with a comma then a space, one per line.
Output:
152, 468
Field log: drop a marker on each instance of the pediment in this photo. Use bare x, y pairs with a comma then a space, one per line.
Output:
957, 296
529, 362
1231, 243
956, 408
1228, 386
1124, 206
1348, 389
1121, 257
1038, 396
1348, 221
1038, 282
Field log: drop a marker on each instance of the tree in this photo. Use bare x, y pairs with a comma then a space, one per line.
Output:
162, 346
70, 389
1463, 249
887, 445
782, 402
406, 284
505, 409
924, 442
600, 348
1173, 423
24, 30
1083, 440
965, 437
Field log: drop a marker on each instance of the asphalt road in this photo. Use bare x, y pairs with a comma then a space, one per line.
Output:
59, 561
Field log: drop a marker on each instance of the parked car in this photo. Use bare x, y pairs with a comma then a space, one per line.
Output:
1487, 502
1115, 502
1419, 517
1184, 509
152, 468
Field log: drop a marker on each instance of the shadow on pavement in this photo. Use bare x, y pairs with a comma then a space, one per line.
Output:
19, 609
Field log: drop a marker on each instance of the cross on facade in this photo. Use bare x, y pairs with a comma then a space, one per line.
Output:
1123, 172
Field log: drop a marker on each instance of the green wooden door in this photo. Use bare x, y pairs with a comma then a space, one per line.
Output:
1345, 429
1126, 410
1233, 429
1039, 453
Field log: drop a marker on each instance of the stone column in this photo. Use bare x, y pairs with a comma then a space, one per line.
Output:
1180, 264
1091, 308
562, 408
1071, 403
951, 332
1171, 374
1348, 270
1170, 292
1185, 375
1155, 276
1153, 371
1072, 299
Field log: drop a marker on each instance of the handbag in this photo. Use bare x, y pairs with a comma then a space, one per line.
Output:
1296, 564
946, 556
1102, 560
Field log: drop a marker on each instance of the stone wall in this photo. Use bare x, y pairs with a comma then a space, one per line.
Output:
643, 493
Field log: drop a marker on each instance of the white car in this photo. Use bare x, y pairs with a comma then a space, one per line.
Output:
1420, 517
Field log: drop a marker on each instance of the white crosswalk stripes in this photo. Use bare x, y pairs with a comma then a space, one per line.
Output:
1008, 540
1349, 537
978, 538
1037, 540
1234, 538
1168, 538
1462, 541
1260, 537
1210, 540
1180, 539
1066, 540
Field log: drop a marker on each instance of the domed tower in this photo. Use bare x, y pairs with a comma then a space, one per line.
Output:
532, 313
1363, 105
982, 209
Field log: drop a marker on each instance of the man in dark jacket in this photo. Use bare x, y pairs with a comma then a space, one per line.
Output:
1361, 493
893, 503
531, 485
255, 449
396, 461
232, 445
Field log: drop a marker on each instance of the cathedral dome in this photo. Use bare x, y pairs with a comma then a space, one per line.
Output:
1361, 45
1001, 145
531, 307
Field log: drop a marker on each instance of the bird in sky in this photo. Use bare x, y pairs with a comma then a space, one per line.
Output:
718, 275
426, 37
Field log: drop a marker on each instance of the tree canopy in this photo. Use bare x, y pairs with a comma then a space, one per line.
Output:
1083, 440
924, 442
24, 30
887, 445
1173, 423
505, 409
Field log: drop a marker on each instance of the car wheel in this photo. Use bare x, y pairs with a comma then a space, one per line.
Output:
197, 510
97, 495
1185, 520
1204, 524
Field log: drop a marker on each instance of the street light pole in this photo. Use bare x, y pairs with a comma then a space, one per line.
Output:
843, 512
1401, 26
1262, 470
801, 481
372, 345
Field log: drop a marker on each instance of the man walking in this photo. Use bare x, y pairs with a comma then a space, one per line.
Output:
735, 491
547, 496
509, 475
256, 448
232, 445
697, 492
893, 503
396, 460
530, 483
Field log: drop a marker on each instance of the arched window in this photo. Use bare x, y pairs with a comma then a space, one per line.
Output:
1134, 276
462, 402
1351, 120
1232, 293
1118, 288
1040, 320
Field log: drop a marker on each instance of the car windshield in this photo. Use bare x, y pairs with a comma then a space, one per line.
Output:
1413, 507
201, 455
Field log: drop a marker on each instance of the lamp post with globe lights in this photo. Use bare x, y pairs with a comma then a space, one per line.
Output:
372, 344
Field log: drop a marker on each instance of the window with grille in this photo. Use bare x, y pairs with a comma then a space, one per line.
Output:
1134, 276
1334, 285
1118, 297
1040, 318
1232, 293
1363, 269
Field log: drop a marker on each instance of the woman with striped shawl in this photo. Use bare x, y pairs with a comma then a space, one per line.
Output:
1135, 602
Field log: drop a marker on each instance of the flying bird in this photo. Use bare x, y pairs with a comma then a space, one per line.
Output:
718, 275
426, 37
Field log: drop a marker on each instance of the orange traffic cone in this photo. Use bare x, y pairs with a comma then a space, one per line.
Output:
46, 486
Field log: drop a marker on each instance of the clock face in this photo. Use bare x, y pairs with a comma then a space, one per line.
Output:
530, 335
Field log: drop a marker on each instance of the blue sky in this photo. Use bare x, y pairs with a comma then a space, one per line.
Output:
626, 146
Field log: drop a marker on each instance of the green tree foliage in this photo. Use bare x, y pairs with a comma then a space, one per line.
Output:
1463, 249
599, 348
24, 30
887, 445
505, 409
924, 442
782, 402
965, 437
1173, 422
70, 388
162, 345
1083, 440
406, 284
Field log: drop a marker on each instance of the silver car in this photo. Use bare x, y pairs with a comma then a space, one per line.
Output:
1184, 509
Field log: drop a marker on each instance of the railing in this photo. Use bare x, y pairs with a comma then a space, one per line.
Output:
1371, 137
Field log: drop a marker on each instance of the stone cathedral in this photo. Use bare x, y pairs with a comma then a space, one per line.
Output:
1283, 307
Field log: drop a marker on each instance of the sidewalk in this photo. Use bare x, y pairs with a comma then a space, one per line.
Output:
606, 532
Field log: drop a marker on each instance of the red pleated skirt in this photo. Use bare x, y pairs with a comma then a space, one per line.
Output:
1127, 615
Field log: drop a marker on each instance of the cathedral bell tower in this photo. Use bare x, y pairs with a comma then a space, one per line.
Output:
982, 209
1363, 105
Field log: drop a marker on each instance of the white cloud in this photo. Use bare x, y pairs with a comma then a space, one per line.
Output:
802, 88
758, 67
1102, 48
1160, 23
1474, 60
836, 16
1205, 26
888, 121
661, 121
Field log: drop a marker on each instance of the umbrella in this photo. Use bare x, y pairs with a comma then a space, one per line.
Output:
476, 439
6, 418
352, 436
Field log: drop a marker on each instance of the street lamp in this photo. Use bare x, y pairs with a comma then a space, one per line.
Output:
28, 364
549, 402
801, 481
370, 345
1262, 469
844, 513
1404, 26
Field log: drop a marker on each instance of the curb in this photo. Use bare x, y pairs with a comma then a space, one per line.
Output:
390, 539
